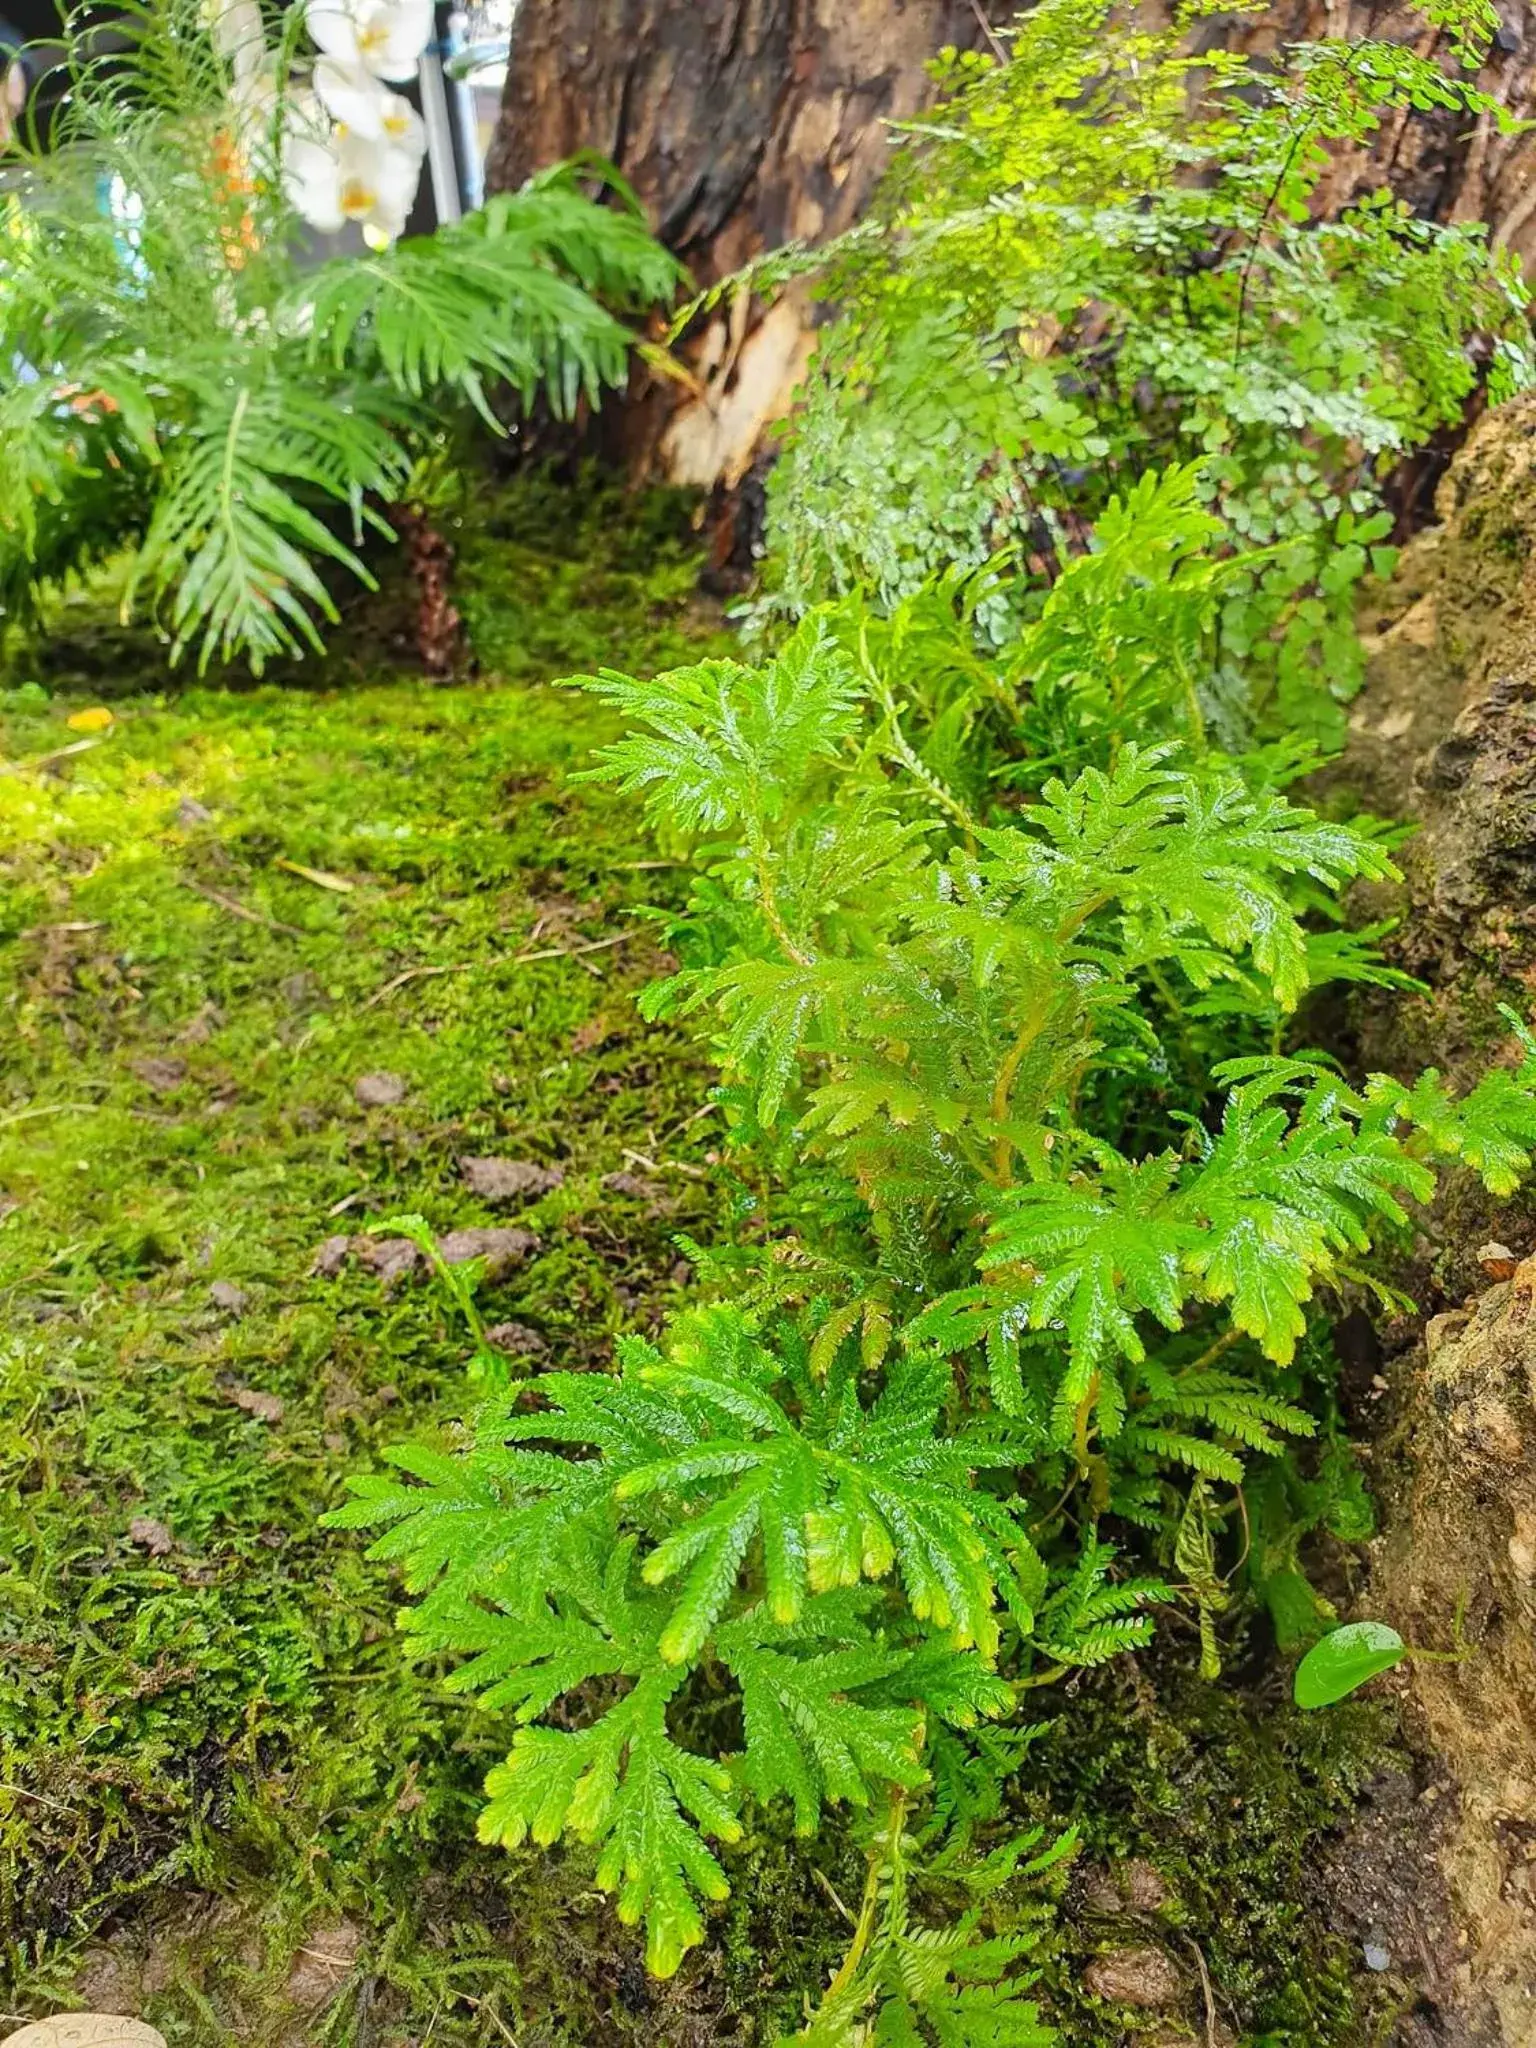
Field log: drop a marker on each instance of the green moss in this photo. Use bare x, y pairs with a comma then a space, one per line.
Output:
232, 1713
1232, 1800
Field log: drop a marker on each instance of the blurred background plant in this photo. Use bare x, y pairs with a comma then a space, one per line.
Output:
180, 378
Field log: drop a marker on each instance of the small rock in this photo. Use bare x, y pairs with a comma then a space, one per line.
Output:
86, 2030
1130, 1887
330, 1257
1142, 1886
265, 1407
190, 812
509, 1180
634, 1187
151, 1535
393, 1259
500, 1249
226, 1295
160, 1076
1497, 1260
200, 1026
589, 1036
516, 1339
1377, 1958
379, 1091
323, 1965
1146, 1977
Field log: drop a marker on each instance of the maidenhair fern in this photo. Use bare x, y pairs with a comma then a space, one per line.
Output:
1102, 254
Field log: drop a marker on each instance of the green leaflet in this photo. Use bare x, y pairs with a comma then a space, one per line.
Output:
1344, 1660
625, 1786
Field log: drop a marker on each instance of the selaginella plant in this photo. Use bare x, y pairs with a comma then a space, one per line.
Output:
181, 384
1034, 1299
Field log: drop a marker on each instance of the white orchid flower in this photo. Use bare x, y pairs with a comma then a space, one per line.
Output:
403, 128
335, 179
382, 37
360, 105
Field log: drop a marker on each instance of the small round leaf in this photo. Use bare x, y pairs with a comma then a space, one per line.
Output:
1346, 1659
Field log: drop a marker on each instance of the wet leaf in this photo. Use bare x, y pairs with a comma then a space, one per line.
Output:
1344, 1660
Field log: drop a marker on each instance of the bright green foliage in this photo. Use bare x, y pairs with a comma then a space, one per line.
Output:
736, 1515
1046, 1265
185, 387
946, 998
1344, 1660
1103, 257
939, 1003
997, 1306
1001, 924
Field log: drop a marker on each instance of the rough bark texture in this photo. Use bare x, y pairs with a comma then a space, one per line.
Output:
742, 124
1445, 732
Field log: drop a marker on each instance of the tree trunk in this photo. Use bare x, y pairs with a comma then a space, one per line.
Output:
1445, 733
742, 124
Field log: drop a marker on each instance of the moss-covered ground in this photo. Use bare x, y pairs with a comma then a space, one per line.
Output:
226, 1804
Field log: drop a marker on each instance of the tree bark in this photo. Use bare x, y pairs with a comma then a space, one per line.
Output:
742, 125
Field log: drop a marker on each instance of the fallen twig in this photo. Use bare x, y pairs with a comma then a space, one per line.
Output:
20, 1116
1210, 1996
989, 32
321, 878
21, 1792
495, 2018
570, 952
414, 974
664, 1165
47, 760
238, 909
